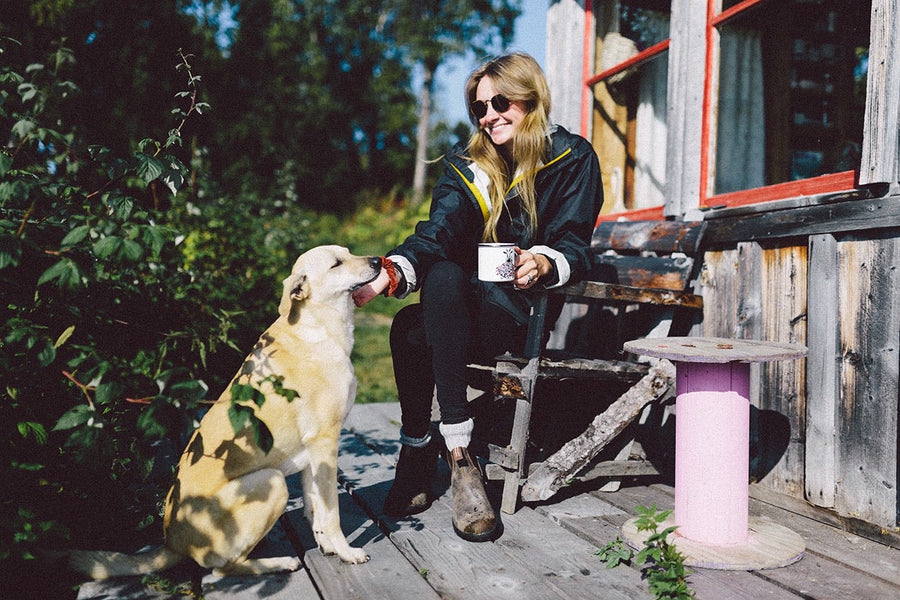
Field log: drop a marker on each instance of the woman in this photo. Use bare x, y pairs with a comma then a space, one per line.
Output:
517, 180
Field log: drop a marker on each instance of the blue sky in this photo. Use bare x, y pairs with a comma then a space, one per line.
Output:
530, 37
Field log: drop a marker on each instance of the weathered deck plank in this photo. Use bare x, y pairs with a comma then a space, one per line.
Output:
600, 522
386, 575
175, 584
545, 551
832, 569
503, 569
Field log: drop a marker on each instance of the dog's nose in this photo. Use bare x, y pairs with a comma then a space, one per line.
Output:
375, 261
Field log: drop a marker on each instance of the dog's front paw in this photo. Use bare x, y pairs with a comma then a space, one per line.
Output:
354, 556
344, 551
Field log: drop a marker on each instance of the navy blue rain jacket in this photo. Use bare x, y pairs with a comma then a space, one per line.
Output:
569, 196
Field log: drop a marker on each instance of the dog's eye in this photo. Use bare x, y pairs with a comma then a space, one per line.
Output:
338, 262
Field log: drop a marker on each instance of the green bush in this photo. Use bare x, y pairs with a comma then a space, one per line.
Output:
104, 333
131, 292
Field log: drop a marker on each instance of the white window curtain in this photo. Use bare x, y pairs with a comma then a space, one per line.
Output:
650, 124
741, 138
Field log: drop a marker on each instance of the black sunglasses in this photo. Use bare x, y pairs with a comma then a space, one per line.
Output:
499, 102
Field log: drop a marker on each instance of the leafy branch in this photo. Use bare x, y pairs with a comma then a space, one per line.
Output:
661, 564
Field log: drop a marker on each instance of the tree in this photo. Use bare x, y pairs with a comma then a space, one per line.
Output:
314, 105
124, 51
429, 31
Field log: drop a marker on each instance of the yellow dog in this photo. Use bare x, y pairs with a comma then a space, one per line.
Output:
299, 383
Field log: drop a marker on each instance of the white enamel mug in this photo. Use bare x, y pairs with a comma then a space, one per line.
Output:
496, 262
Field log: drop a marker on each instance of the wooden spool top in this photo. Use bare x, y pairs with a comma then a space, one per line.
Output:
715, 350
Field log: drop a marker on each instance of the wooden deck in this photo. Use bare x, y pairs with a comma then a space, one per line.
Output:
544, 552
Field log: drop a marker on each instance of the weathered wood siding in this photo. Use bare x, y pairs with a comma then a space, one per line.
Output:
754, 292
881, 133
783, 383
564, 59
827, 425
866, 483
684, 104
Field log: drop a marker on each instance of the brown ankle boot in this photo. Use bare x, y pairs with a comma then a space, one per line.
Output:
411, 490
474, 518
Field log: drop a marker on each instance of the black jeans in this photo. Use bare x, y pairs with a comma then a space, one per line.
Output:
433, 341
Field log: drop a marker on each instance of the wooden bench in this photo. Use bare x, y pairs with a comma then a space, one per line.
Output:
649, 264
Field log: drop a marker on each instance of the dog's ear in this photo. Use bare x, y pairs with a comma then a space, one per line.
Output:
296, 288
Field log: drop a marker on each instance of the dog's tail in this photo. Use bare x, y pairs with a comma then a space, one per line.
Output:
100, 564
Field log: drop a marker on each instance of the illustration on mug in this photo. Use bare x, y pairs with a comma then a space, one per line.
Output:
507, 269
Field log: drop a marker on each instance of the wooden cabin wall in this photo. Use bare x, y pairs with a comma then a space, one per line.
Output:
825, 427
758, 292
865, 401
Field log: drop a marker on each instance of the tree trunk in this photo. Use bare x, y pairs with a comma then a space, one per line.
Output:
422, 132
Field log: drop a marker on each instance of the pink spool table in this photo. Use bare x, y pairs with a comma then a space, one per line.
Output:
712, 467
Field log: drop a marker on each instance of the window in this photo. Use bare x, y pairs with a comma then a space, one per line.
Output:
628, 113
783, 101
788, 101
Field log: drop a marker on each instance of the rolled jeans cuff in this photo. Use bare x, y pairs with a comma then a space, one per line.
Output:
415, 442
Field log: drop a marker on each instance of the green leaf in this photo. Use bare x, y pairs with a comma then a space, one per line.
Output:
75, 236
148, 142
239, 415
263, 435
27, 91
121, 206
148, 421
5, 163
74, 417
34, 429
98, 152
47, 354
148, 167
33, 467
285, 392
65, 273
173, 176
131, 250
10, 251
106, 393
155, 237
241, 392
615, 553
24, 128
194, 389
107, 246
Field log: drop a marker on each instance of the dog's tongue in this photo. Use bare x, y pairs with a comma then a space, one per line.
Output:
372, 289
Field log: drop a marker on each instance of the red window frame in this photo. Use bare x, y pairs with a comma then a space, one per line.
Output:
833, 182
587, 100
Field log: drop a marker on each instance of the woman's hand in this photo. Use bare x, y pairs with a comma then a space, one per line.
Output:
530, 268
372, 289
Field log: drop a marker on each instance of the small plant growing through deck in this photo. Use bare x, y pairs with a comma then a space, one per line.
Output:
662, 565
160, 584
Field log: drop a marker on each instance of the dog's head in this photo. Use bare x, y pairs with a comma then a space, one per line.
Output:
326, 274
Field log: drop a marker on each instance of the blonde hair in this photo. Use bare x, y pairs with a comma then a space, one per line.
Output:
519, 78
